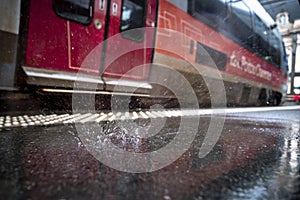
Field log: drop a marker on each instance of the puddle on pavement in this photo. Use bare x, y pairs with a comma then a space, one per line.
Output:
259, 160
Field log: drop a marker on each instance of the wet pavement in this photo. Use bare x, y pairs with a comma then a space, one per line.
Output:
257, 156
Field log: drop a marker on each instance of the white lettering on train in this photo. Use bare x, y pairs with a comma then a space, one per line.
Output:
248, 67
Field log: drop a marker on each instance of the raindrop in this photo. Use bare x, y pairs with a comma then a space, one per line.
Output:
167, 197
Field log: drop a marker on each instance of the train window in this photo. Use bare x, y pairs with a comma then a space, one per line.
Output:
274, 49
80, 11
183, 5
262, 33
211, 12
284, 58
240, 23
209, 6
133, 17
260, 27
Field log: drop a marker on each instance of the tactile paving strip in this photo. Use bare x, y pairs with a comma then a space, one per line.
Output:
40, 120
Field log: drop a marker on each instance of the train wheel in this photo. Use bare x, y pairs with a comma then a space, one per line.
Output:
262, 99
275, 99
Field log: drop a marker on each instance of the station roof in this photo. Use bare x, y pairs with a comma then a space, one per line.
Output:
274, 7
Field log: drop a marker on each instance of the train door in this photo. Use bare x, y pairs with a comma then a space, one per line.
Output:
61, 33
128, 42
112, 24
85, 29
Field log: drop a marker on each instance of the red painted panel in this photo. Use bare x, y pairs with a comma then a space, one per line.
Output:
253, 68
55, 43
47, 37
123, 65
83, 39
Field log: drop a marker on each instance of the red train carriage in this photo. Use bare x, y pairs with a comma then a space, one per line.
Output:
239, 37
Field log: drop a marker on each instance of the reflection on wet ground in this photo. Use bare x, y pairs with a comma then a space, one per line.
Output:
253, 159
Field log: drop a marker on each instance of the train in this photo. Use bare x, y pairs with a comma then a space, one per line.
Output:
235, 39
